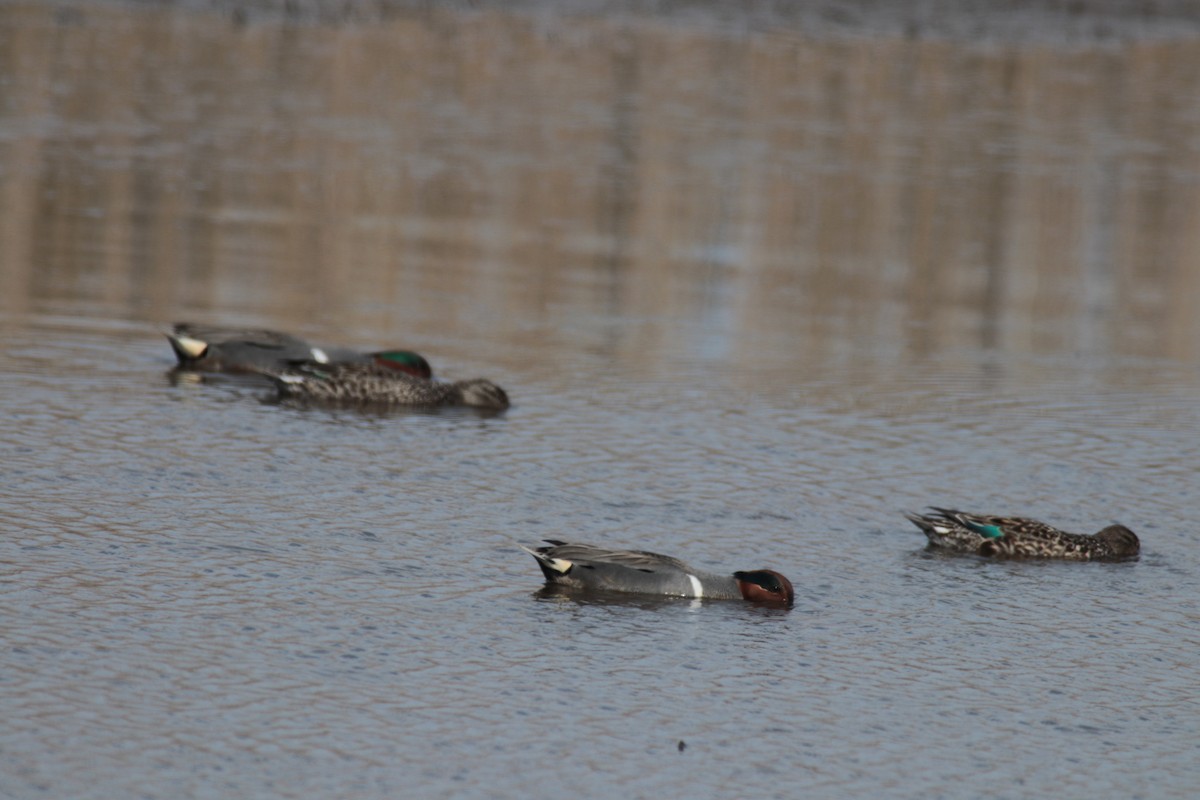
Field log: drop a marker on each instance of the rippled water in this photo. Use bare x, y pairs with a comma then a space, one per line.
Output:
749, 307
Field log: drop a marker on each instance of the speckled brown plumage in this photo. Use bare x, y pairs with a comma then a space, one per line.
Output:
368, 384
1020, 537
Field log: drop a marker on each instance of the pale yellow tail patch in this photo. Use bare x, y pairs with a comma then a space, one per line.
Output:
556, 564
193, 347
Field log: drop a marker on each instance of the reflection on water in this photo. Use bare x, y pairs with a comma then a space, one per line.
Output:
758, 280
397, 175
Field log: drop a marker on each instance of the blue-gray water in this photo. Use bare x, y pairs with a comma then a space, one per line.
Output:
754, 293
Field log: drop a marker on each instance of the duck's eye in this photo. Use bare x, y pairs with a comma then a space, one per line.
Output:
770, 583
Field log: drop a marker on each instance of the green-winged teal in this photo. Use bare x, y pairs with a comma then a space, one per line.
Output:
206, 348
584, 567
372, 385
1017, 537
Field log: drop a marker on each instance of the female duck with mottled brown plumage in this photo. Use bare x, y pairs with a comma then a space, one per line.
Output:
1021, 537
372, 385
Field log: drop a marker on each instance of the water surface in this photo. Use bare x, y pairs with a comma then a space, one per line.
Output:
756, 284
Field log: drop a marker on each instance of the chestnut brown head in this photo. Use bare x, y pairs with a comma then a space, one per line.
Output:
765, 586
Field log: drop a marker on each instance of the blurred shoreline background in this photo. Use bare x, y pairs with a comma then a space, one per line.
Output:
396, 167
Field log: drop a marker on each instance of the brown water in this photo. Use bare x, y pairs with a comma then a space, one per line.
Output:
757, 281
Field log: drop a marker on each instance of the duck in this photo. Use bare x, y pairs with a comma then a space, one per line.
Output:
587, 567
1021, 537
209, 348
374, 385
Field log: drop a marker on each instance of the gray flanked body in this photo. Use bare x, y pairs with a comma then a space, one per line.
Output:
583, 566
216, 349
1019, 537
368, 384
208, 348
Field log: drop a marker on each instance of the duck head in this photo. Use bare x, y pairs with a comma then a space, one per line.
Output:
1123, 542
480, 393
765, 586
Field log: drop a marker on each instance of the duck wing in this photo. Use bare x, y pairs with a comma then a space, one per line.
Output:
592, 556
251, 337
995, 527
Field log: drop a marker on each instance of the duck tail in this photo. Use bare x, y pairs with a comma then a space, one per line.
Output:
936, 527
920, 521
551, 567
186, 348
